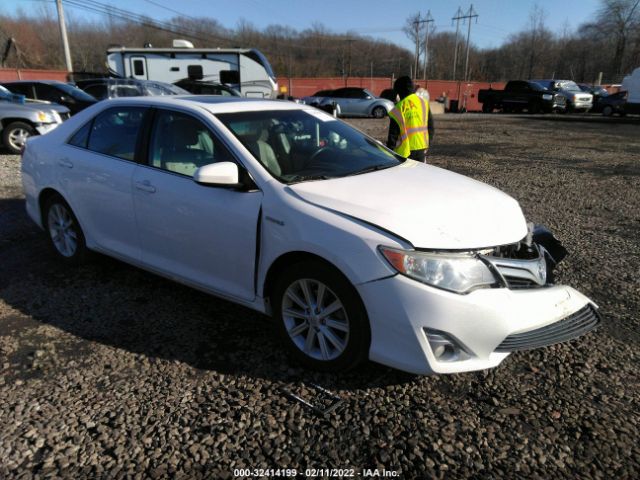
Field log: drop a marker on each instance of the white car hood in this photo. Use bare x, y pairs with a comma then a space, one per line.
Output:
426, 205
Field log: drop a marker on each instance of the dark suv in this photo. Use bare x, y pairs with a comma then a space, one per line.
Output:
51, 91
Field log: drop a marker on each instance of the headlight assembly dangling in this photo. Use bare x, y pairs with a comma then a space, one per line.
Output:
455, 272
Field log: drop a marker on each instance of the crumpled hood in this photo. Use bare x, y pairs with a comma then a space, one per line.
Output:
426, 205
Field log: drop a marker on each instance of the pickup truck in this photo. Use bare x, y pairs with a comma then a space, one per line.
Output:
519, 95
20, 119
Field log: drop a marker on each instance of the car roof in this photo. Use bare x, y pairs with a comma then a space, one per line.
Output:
213, 103
48, 82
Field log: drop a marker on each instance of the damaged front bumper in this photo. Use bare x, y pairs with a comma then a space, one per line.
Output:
422, 329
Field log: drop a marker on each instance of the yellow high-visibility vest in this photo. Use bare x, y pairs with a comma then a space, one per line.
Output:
411, 114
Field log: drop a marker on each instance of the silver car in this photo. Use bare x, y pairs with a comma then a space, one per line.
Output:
351, 102
577, 100
21, 118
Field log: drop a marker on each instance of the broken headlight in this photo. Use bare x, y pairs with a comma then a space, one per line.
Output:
456, 272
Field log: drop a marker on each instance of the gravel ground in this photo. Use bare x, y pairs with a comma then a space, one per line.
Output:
108, 372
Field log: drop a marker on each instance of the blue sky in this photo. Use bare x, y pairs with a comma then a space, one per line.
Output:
382, 19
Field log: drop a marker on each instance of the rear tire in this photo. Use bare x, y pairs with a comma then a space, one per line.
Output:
320, 318
607, 111
487, 108
65, 235
15, 135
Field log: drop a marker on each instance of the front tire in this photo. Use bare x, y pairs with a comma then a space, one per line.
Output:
65, 235
607, 111
15, 135
320, 318
379, 112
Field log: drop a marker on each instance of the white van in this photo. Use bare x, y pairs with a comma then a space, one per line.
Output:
245, 69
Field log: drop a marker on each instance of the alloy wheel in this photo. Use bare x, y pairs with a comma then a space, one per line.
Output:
18, 138
315, 319
62, 230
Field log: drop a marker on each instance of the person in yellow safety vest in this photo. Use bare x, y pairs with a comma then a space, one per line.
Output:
411, 124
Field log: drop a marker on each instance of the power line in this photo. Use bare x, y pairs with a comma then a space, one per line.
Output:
428, 20
464, 17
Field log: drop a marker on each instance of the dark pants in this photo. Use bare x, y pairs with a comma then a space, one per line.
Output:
419, 155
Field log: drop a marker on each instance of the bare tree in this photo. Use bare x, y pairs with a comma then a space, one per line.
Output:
620, 18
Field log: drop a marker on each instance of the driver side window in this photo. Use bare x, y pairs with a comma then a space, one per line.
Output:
182, 144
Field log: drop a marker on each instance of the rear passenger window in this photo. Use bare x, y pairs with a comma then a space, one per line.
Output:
79, 139
182, 144
115, 131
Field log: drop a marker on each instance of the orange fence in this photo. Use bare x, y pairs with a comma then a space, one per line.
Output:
10, 74
465, 93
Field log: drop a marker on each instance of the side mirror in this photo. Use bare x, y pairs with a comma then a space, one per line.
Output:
222, 174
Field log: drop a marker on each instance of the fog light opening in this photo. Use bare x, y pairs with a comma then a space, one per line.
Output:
445, 348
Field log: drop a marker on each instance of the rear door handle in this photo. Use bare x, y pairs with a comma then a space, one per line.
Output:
64, 162
146, 187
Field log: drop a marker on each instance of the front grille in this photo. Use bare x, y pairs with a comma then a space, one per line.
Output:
516, 283
576, 324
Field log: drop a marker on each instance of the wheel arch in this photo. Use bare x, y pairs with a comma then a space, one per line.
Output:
45, 195
376, 105
9, 120
291, 258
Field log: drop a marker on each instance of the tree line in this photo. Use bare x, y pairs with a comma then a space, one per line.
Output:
609, 43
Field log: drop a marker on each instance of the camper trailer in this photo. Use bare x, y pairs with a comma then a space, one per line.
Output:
245, 69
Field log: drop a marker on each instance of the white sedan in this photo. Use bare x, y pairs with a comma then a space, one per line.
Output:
356, 252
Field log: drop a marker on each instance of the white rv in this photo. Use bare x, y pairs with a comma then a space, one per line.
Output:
245, 69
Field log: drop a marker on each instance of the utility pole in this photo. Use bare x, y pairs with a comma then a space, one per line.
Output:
65, 40
471, 14
455, 52
428, 20
416, 24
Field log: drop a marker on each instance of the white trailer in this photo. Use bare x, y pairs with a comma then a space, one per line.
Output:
631, 84
245, 69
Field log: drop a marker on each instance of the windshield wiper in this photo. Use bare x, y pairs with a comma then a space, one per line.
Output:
373, 168
305, 178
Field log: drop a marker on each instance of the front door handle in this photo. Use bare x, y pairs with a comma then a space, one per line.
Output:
64, 162
146, 186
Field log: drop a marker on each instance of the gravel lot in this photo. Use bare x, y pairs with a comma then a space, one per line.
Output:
108, 371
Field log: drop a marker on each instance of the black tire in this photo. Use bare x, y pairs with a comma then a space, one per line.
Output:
607, 111
356, 340
14, 135
487, 108
55, 208
379, 112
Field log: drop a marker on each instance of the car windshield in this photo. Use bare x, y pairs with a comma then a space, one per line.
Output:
537, 87
159, 88
75, 92
301, 145
569, 86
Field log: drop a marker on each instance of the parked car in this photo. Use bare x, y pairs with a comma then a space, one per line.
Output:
520, 95
355, 251
390, 94
317, 98
611, 104
352, 102
51, 91
204, 87
21, 119
597, 91
102, 88
577, 100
